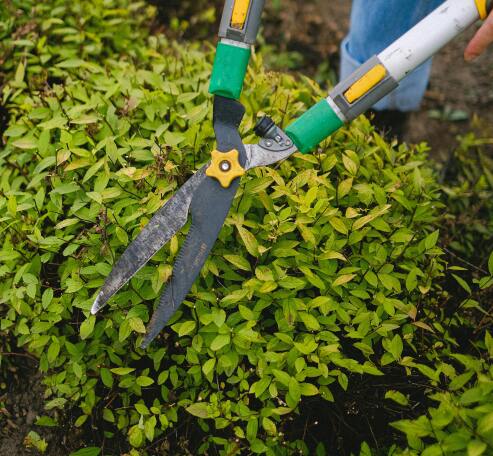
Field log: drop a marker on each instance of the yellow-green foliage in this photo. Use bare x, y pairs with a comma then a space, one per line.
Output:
313, 280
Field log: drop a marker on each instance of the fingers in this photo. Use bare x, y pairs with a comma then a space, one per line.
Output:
480, 41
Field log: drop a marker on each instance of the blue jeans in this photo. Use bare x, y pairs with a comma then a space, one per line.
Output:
375, 24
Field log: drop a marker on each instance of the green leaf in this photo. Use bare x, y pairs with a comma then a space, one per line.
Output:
252, 429
350, 165
488, 341
58, 402
238, 261
249, 241
87, 327
371, 278
108, 415
144, 381
85, 119
88, 451
47, 421
186, 328
15, 131
269, 426
476, 448
64, 189
485, 425
462, 283
70, 63
208, 366
309, 321
56, 122
122, 370
142, 409
282, 377
246, 313
360, 223
136, 436
200, 409
344, 188
431, 240
307, 389
19, 74
459, 381
220, 341
294, 393
149, 428
137, 325
43, 164
25, 143
259, 387
53, 351
106, 377
341, 280
311, 195
397, 396
412, 279
396, 346
121, 235
338, 225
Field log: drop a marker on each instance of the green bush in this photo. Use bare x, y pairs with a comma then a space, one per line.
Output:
462, 383
319, 277
463, 421
468, 192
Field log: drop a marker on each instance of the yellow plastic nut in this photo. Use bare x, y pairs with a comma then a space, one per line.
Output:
225, 167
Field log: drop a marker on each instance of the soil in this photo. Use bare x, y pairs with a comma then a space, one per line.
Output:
21, 404
457, 90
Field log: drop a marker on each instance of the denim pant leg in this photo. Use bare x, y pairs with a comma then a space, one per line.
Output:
375, 24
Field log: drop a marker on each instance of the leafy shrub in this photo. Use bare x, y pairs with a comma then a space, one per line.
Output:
463, 421
468, 193
312, 284
462, 383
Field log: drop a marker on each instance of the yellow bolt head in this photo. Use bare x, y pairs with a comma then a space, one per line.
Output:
225, 167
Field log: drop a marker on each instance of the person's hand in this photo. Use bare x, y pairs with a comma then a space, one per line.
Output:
480, 41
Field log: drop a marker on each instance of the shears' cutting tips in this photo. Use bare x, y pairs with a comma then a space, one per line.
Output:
161, 228
98, 303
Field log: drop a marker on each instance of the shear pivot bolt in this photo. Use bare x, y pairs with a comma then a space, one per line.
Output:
225, 167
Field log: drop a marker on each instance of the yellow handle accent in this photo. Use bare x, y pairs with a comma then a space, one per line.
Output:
365, 83
240, 12
225, 167
483, 10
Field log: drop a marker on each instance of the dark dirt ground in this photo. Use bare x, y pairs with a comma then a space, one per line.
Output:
21, 404
313, 29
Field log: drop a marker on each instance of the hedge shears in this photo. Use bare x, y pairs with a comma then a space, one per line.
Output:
207, 196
